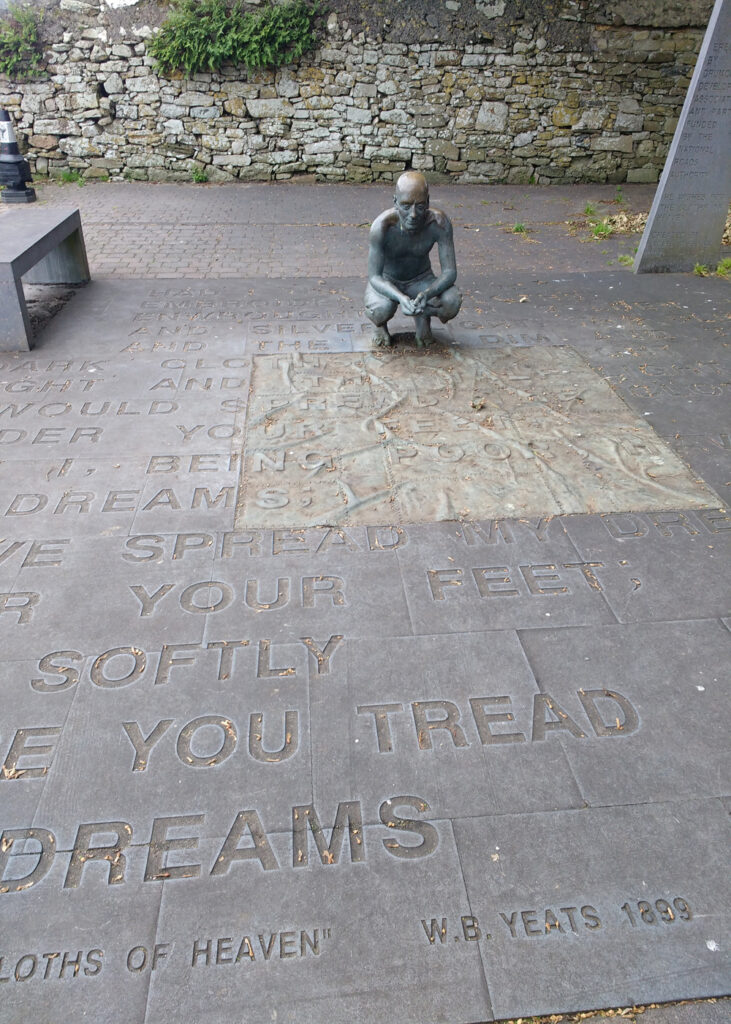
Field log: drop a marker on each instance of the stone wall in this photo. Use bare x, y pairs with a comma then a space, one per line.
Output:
551, 90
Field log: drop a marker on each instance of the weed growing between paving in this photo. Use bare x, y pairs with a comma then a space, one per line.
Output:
722, 270
202, 35
602, 229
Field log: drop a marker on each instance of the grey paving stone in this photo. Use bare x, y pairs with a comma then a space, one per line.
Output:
672, 303
125, 404
496, 332
188, 492
73, 497
357, 917
610, 319
177, 739
651, 372
311, 343
339, 588
104, 600
597, 862
659, 565
695, 401
648, 689
65, 950
709, 455
12, 555
447, 717
32, 725
129, 428
317, 322
500, 574
190, 318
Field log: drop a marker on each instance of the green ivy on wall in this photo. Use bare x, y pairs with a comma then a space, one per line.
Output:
202, 35
21, 52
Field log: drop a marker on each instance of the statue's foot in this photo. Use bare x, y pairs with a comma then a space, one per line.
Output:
381, 338
422, 331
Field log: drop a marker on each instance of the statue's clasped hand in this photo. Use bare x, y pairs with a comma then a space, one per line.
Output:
416, 306
420, 302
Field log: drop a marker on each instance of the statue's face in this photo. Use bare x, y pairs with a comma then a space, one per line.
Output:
412, 206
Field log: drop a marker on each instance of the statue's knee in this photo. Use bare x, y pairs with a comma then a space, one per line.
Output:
379, 311
451, 303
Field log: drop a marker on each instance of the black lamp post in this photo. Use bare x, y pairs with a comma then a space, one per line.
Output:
14, 170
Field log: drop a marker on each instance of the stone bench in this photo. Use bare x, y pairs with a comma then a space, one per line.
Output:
46, 246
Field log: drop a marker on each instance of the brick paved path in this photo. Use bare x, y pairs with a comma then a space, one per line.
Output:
302, 230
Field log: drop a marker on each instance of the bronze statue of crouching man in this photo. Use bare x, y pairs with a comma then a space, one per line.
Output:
399, 268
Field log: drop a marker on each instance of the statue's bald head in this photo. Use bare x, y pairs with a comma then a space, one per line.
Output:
411, 201
412, 184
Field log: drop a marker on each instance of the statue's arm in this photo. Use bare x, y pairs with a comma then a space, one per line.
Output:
376, 263
447, 259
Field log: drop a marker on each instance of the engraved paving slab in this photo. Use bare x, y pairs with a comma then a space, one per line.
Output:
341, 686
406, 437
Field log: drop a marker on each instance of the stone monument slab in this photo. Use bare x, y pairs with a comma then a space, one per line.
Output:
690, 207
